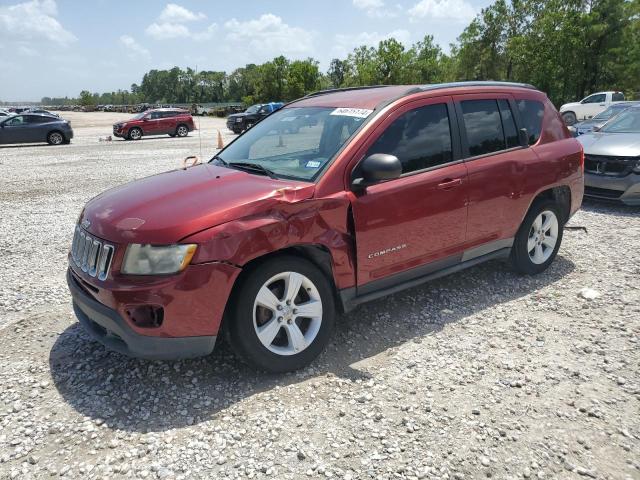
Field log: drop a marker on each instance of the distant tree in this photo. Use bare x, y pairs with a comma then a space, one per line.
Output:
86, 98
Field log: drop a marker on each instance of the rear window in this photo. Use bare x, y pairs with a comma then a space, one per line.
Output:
483, 125
531, 113
618, 97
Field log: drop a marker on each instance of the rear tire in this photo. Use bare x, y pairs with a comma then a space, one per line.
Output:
569, 118
182, 131
134, 134
538, 239
265, 325
55, 138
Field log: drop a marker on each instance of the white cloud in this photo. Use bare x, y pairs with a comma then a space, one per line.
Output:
173, 13
164, 31
458, 10
345, 43
375, 8
32, 22
170, 24
367, 4
134, 49
270, 36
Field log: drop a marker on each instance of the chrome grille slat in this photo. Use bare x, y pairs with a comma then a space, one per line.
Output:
91, 254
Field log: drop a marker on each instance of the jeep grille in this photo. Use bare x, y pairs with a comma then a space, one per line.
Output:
91, 254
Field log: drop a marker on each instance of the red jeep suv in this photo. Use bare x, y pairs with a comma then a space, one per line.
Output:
386, 188
161, 121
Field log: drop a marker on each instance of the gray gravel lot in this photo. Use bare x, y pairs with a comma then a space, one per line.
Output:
480, 374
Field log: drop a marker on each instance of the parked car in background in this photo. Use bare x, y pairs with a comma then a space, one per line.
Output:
600, 119
612, 159
387, 188
34, 127
42, 111
589, 106
162, 121
5, 113
239, 122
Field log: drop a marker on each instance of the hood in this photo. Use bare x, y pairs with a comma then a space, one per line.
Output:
237, 115
168, 207
569, 106
611, 144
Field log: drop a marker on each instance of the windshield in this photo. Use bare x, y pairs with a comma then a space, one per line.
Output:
252, 109
609, 112
627, 122
296, 142
139, 116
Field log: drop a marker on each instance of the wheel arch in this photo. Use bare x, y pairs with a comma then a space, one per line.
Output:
56, 130
317, 254
561, 195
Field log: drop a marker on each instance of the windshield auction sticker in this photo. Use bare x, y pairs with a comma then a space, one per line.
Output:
352, 112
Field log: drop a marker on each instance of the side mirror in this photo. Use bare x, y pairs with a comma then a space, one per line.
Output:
377, 168
145, 119
523, 137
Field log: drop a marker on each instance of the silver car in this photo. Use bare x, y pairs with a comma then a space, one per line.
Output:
612, 159
600, 119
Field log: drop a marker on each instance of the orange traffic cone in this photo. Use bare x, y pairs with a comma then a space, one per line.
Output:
220, 141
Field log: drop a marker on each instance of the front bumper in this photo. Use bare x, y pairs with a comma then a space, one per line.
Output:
623, 189
107, 327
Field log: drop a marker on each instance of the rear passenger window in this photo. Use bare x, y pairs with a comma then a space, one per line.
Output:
483, 125
531, 113
420, 138
617, 97
509, 125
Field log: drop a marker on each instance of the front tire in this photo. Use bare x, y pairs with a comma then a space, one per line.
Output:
282, 315
135, 134
55, 138
569, 118
538, 239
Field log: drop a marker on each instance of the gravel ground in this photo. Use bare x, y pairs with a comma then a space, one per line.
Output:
480, 374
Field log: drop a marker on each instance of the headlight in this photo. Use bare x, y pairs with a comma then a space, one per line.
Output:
238, 120
157, 260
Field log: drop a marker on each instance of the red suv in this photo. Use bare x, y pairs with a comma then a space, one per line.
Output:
161, 121
385, 188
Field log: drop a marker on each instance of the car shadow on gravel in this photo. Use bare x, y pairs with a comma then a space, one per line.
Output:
146, 396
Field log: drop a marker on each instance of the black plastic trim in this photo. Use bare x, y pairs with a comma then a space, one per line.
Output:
352, 297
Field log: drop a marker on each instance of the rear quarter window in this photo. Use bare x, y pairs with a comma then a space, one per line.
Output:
531, 115
618, 97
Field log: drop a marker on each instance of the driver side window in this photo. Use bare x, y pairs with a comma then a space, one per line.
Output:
15, 121
420, 138
599, 98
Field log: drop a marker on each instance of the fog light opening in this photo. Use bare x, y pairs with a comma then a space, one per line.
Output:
146, 316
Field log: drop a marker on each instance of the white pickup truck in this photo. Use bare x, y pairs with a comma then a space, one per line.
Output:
589, 106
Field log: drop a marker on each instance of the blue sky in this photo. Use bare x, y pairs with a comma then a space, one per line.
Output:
59, 47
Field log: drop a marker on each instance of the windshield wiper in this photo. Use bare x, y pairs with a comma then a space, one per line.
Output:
252, 167
218, 158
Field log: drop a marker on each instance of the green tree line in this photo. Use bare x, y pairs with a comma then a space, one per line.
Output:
567, 48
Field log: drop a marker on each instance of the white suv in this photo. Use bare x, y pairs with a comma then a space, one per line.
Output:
589, 106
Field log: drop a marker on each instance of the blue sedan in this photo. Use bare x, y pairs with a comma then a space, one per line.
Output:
34, 128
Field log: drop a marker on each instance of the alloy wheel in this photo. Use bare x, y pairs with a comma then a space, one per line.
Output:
56, 138
543, 237
287, 313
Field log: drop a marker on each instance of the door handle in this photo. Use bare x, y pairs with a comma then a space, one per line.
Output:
450, 183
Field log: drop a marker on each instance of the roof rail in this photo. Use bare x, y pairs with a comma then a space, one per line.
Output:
489, 83
345, 89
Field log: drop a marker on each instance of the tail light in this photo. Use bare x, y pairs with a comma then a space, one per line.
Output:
582, 158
